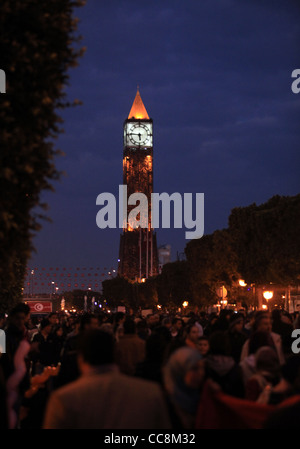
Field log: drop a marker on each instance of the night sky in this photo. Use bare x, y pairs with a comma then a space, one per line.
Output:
215, 77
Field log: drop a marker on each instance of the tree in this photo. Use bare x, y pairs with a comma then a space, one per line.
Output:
211, 263
147, 296
173, 284
266, 240
38, 44
119, 291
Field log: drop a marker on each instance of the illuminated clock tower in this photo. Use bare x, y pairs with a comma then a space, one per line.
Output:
138, 257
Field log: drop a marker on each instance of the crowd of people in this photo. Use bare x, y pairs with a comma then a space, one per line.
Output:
231, 369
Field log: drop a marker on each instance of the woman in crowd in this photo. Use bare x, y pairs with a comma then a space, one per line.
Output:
183, 378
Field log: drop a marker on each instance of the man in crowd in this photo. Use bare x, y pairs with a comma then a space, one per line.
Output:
104, 398
263, 323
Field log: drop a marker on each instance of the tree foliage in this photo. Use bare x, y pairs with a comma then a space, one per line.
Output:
173, 284
211, 262
266, 240
119, 291
38, 44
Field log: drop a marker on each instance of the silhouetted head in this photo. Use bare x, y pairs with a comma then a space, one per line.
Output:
96, 347
219, 343
129, 326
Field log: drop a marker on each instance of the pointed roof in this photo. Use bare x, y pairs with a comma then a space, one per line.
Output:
138, 109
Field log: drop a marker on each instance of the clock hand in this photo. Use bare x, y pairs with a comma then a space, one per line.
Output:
135, 134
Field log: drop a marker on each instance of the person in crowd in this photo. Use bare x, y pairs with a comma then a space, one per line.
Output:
2, 320
221, 367
289, 384
203, 345
296, 322
183, 378
43, 356
4, 424
177, 327
282, 325
152, 320
167, 323
108, 327
69, 367
263, 323
284, 418
257, 340
142, 329
151, 367
249, 322
222, 323
267, 373
236, 335
164, 332
130, 349
191, 336
71, 325
32, 327
14, 363
53, 318
118, 321
71, 329
211, 325
203, 320
58, 339
15, 332
104, 398
23, 307
194, 319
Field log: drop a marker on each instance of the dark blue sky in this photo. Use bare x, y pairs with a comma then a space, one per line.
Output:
215, 77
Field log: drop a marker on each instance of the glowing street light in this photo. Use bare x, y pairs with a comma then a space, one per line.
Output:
268, 295
32, 274
242, 283
185, 304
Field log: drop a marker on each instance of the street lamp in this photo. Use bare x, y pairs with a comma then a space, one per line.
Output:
268, 295
242, 283
32, 273
52, 289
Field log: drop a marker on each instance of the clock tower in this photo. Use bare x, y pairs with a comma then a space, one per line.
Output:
138, 256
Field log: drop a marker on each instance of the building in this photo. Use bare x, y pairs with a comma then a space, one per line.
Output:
164, 255
138, 256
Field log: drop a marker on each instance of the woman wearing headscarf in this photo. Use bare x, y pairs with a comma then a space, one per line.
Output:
267, 374
183, 377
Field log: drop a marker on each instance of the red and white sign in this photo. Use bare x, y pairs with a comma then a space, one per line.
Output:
40, 306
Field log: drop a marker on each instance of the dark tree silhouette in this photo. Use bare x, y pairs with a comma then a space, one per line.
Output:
38, 44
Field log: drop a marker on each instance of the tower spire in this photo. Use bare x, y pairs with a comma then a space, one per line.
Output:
138, 110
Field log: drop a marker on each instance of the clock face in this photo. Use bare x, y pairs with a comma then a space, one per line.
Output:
139, 134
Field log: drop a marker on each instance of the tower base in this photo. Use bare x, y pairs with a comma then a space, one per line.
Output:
138, 255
